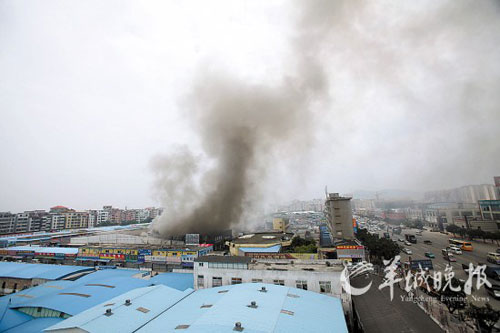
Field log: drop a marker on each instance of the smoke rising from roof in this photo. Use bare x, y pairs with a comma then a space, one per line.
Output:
432, 67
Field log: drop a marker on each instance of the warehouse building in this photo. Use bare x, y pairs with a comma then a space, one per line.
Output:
18, 276
320, 276
242, 308
36, 308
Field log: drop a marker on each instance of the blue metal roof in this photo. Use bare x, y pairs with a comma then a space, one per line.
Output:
40, 271
270, 249
54, 250
280, 309
276, 311
179, 281
34, 325
152, 300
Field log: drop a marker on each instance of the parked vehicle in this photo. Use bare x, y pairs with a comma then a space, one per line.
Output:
494, 290
401, 240
494, 258
430, 255
498, 250
493, 272
407, 243
455, 250
427, 241
444, 252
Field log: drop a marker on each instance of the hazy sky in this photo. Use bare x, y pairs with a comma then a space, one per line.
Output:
92, 91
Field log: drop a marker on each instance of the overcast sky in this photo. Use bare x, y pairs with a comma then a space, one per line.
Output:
92, 91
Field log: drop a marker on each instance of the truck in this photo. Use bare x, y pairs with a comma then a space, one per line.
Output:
411, 238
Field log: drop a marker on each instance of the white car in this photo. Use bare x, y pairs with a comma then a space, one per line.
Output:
455, 250
407, 243
407, 251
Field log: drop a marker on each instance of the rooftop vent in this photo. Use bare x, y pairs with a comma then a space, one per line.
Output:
238, 327
108, 312
253, 305
263, 289
127, 302
181, 327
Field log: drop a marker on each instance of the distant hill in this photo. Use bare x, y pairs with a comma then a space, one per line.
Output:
388, 194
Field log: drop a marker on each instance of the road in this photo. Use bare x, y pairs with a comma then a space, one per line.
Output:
439, 242
378, 313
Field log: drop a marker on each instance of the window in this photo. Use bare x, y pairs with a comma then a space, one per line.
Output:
3, 285
256, 280
216, 281
325, 287
201, 281
279, 282
200, 264
235, 280
15, 287
301, 284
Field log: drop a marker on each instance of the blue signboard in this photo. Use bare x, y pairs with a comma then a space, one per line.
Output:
424, 263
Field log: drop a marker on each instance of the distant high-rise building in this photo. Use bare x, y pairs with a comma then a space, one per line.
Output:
464, 194
339, 214
497, 186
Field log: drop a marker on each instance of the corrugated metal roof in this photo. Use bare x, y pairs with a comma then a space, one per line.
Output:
312, 312
145, 304
54, 250
270, 249
34, 325
215, 310
40, 271
179, 281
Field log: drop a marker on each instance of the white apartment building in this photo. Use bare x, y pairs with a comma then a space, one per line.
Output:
102, 216
58, 222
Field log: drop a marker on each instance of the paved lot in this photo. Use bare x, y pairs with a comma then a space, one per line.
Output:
440, 241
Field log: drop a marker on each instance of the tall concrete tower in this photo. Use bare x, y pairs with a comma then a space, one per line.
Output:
339, 214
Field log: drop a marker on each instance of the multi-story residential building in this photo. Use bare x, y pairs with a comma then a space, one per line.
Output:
339, 215
154, 212
92, 218
103, 216
22, 222
116, 216
7, 222
142, 215
58, 221
76, 220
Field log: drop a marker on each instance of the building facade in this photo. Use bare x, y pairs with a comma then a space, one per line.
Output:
339, 215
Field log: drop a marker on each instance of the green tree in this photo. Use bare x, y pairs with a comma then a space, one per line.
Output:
454, 300
485, 316
453, 228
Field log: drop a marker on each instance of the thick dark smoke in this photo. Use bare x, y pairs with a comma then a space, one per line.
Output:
242, 126
428, 71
